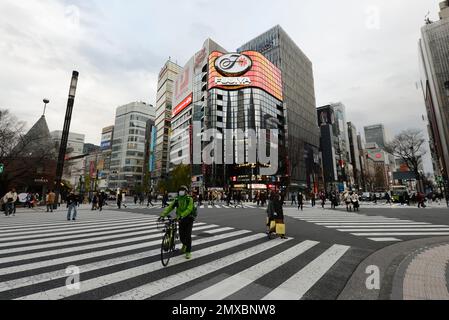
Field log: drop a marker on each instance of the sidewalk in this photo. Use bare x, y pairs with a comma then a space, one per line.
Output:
412, 270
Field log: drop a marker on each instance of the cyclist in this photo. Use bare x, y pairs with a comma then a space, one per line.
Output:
185, 215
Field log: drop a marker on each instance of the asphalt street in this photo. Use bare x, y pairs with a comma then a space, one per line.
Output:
117, 252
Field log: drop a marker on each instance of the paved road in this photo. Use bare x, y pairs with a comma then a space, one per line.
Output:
117, 253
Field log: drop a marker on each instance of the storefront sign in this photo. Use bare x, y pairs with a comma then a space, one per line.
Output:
184, 104
232, 81
233, 64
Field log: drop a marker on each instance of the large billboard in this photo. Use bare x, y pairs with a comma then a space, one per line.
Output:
183, 85
234, 71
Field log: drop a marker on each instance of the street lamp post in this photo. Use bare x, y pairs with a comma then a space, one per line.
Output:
45, 101
65, 133
445, 176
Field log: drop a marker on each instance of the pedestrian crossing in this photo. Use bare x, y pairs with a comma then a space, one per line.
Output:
204, 206
118, 257
375, 228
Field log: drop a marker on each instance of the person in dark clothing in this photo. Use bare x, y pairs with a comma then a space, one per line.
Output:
200, 199
313, 198
165, 200
72, 202
101, 201
94, 202
300, 201
323, 199
275, 212
119, 200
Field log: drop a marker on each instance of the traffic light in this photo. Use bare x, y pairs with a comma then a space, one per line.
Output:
2, 168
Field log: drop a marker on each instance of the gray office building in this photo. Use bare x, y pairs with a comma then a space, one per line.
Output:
434, 63
376, 134
299, 100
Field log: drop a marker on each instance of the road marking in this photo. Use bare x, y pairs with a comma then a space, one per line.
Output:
233, 284
86, 247
44, 277
388, 226
385, 239
401, 234
388, 230
153, 288
95, 283
298, 285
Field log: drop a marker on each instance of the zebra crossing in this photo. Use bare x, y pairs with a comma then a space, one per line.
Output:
117, 255
375, 228
204, 206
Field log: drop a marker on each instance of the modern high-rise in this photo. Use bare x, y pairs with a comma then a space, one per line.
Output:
434, 65
128, 145
355, 155
73, 169
164, 103
376, 134
303, 138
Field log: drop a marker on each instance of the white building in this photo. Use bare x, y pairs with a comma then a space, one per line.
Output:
75, 144
128, 145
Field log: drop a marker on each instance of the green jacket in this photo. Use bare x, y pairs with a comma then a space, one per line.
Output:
184, 209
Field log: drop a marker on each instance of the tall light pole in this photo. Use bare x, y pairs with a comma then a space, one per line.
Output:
65, 133
445, 177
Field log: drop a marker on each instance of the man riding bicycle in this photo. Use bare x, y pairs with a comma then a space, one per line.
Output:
185, 215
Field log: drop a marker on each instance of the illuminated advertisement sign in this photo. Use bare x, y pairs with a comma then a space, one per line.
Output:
184, 104
232, 81
233, 64
258, 72
105, 145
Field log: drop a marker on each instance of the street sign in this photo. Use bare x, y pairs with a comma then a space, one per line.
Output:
2, 168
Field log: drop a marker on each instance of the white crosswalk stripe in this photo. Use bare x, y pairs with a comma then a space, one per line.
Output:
119, 258
374, 228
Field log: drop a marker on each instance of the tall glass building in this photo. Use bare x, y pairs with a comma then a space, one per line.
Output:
434, 63
128, 146
303, 137
376, 134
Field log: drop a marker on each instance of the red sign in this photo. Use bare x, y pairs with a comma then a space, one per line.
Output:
184, 104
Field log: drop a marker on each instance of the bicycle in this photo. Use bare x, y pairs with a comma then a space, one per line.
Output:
168, 247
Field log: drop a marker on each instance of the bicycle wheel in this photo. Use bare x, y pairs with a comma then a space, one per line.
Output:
167, 248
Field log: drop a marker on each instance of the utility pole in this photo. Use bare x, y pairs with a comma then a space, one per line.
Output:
65, 133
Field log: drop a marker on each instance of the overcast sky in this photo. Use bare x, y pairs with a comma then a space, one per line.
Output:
364, 52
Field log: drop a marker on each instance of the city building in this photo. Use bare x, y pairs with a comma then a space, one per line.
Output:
355, 156
128, 145
328, 146
150, 157
107, 136
73, 169
164, 104
385, 166
190, 102
219, 97
434, 66
376, 134
90, 148
303, 136
334, 132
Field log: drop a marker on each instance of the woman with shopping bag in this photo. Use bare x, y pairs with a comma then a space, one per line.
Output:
275, 217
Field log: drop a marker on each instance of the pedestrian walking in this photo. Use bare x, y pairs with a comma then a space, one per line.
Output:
101, 201
355, 201
94, 202
119, 201
72, 202
300, 201
294, 199
275, 212
323, 199
50, 200
10, 199
313, 199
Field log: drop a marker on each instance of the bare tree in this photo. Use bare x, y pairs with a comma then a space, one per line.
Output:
409, 147
23, 156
